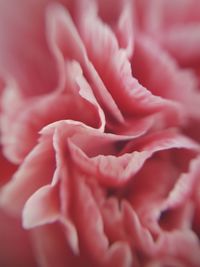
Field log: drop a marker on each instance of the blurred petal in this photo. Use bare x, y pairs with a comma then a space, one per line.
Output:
51, 247
183, 43
24, 51
164, 78
15, 245
119, 16
36, 171
7, 169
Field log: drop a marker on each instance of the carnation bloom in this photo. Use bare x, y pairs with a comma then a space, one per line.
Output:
99, 112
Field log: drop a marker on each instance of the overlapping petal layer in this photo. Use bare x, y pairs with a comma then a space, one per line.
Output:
99, 119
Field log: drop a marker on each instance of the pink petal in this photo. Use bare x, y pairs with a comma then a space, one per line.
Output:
154, 16
91, 150
119, 16
184, 186
24, 51
149, 16
21, 124
51, 247
110, 170
15, 245
182, 245
41, 208
162, 188
66, 43
133, 126
192, 129
119, 255
71, 235
165, 79
86, 93
93, 241
163, 140
180, 217
89, 222
82, 135
139, 236
115, 70
65, 193
113, 224
179, 12
168, 261
36, 171
7, 169
118, 169
183, 43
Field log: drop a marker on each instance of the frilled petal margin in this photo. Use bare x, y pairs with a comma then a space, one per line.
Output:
21, 124
166, 79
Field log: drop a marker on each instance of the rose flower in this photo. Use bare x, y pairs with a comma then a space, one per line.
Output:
100, 124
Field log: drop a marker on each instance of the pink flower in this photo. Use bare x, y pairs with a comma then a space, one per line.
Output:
100, 124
